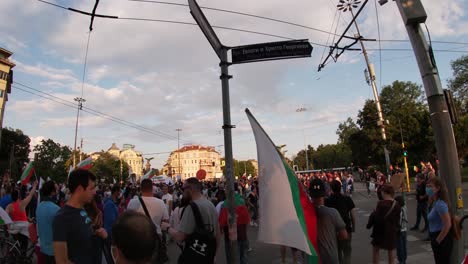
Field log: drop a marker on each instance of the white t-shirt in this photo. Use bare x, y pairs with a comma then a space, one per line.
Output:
156, 208
166, 198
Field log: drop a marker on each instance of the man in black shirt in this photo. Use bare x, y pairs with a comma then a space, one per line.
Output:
421, 199
345, 206
72, 228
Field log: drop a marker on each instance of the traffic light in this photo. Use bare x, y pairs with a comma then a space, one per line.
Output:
405, 153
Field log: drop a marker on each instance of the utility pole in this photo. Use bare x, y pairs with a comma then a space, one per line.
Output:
178, 148
370, 69
413, 14
80, 102
81, 148
300, 110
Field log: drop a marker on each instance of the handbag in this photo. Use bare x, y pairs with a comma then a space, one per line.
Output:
161, 254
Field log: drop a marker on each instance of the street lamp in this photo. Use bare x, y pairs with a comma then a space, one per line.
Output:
300, 110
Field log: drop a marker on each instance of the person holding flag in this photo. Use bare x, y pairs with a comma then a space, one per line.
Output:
17, 212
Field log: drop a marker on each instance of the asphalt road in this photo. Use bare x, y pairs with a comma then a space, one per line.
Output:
419, 252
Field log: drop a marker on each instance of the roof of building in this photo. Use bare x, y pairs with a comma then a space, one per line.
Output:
196, 147
5, 53
113, 147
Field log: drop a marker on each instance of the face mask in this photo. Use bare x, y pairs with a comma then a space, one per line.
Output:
429, 192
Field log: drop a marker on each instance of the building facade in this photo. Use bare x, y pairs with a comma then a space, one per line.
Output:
6, 79
128, 154
188, 160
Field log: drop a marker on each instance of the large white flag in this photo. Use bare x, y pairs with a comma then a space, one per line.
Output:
286, 214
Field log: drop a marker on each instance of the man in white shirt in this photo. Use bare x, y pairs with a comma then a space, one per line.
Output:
167, 198
156, 207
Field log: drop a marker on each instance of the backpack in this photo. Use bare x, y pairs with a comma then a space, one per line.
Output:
200, 246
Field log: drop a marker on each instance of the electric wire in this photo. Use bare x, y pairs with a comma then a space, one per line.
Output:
235, 29
92, 111
380, 45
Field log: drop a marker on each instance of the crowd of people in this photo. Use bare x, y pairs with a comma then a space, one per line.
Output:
86, 222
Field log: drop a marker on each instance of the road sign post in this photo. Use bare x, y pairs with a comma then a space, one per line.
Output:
241, 54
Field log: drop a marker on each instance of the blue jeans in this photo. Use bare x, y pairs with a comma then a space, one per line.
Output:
401, 247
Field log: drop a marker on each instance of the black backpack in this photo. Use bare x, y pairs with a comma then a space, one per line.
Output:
200, 246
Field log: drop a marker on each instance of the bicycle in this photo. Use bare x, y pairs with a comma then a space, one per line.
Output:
11, 250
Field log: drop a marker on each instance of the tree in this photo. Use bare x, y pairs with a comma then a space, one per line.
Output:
108, 168
404, 106
241, 167
459, 83
14, 151
345, 130
51, 160
459, 86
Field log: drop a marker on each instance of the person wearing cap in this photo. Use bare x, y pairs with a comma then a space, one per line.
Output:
330, 225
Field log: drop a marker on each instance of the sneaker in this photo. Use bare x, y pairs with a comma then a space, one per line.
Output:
249, 250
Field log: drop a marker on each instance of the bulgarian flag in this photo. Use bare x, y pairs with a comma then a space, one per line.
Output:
27, 173
85, 164
148, 175
287, 216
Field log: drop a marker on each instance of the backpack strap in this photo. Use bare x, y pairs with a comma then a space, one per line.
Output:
144, 207
197, 215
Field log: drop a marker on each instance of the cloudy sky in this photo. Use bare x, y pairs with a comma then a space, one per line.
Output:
163, 76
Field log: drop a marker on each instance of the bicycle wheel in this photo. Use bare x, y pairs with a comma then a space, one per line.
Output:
10, 252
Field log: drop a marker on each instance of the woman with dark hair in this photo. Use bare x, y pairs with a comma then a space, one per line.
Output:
96, 217
385, 222
439, 220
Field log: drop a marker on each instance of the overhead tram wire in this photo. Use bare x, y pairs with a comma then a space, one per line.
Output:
380, 44
93, 111
279, 20
230, 28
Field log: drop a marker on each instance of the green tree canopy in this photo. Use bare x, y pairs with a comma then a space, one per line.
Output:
108, 168
459, 83
243, 166
14, 151
50, 161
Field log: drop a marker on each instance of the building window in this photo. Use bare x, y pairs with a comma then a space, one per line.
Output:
3, 75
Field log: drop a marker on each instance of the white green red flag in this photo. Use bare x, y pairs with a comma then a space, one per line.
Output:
85, 164
148, 175
287, 216
27, 173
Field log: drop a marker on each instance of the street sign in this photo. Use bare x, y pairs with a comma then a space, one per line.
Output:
271, 51
205, 27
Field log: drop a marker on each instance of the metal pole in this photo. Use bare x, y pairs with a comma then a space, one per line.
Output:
306, 150
80, 105
441, 125
178, 147
228, 154
381, 122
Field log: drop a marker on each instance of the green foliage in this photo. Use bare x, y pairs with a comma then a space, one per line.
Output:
325, 157
459, 83
346, 129
108, 167
243, 166
50, 160
461, 137
20, 144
